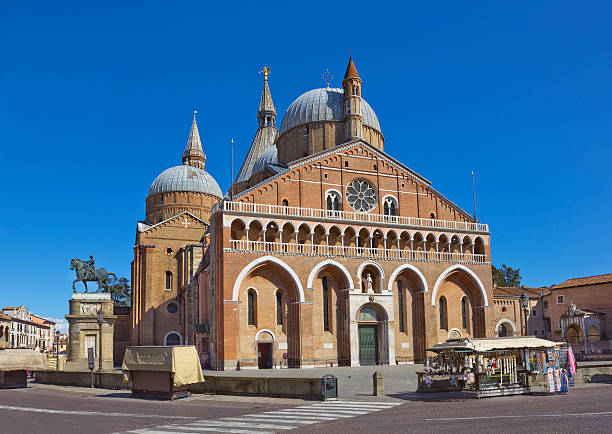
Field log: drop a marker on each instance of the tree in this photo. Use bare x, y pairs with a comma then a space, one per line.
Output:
506, 276
120, 291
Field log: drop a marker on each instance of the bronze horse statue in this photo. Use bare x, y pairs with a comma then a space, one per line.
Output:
86, 274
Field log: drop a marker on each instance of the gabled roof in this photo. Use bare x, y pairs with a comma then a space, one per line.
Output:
144, 226
582, 281
345, 146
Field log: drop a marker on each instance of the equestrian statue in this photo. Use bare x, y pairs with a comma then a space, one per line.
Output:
86, 272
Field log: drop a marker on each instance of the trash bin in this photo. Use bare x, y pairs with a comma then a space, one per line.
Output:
329, 387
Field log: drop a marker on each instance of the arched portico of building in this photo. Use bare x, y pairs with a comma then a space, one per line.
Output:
331, 283
408, 285
460, 298
270, 297
505, 327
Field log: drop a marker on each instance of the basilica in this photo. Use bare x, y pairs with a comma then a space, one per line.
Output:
324, 251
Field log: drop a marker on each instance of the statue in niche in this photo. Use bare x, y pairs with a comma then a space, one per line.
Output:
369, 286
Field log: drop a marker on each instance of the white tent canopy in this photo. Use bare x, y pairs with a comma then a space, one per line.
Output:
480, 345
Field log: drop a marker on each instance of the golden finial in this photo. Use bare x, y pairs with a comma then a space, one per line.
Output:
265, 71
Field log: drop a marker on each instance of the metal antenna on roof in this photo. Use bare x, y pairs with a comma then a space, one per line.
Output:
328, 77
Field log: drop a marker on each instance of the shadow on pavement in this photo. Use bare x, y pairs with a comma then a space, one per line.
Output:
433, 397
116, 395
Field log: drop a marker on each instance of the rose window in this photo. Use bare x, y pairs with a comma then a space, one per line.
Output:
361, 195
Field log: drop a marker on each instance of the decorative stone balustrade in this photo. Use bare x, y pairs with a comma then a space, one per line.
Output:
247, 246
366, 218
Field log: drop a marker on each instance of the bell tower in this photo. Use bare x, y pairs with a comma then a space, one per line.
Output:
353, 120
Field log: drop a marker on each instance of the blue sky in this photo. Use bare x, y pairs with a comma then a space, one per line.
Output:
96, 101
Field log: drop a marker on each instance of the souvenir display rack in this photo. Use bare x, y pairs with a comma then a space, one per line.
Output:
488, 366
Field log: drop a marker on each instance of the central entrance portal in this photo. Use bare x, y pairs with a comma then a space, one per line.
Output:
368, 345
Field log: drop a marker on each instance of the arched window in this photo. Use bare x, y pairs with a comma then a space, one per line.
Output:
400, 298
390, 206
172, 338
285, 202
432, 216
464, 313
325, 304
251, 307
443, 314
279, 308
333, 201
168, 281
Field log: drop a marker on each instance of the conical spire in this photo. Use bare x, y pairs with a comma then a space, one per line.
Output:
264, 137
351, 71
265, 103
194, 154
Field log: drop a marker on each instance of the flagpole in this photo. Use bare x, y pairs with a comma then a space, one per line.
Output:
232, 179
474, 194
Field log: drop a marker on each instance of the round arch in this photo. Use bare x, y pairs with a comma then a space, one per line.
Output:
173, 333
469, 272
265, 331
404, 267
375, 265
320, 265
506, 321
251, 221
263, 260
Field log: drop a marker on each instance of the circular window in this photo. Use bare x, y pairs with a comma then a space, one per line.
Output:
172, 308
503, 309
361, 195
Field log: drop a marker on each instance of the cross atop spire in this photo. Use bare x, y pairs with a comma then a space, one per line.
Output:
194, 154
328, 77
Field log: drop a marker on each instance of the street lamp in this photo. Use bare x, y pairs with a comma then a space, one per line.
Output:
100, 322
57, 345
525, 305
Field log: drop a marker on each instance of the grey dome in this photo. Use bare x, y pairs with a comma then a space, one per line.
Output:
269, 156
324, 104
186, 178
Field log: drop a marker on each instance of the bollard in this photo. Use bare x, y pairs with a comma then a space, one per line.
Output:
377, 383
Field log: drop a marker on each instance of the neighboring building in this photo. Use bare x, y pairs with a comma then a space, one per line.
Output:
510, 315
5, 331
29, 330
581, 313
326, 250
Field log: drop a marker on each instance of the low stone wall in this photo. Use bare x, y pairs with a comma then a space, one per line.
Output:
105, 380
594, 372
305, 388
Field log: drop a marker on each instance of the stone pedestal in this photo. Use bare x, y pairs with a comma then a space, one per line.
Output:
84, 331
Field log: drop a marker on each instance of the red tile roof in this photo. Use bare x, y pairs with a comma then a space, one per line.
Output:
581, 281
516, 291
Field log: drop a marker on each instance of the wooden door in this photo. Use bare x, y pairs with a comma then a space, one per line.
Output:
264, 356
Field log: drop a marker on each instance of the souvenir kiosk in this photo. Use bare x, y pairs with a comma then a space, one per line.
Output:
14, 364
162, 372
488, 366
